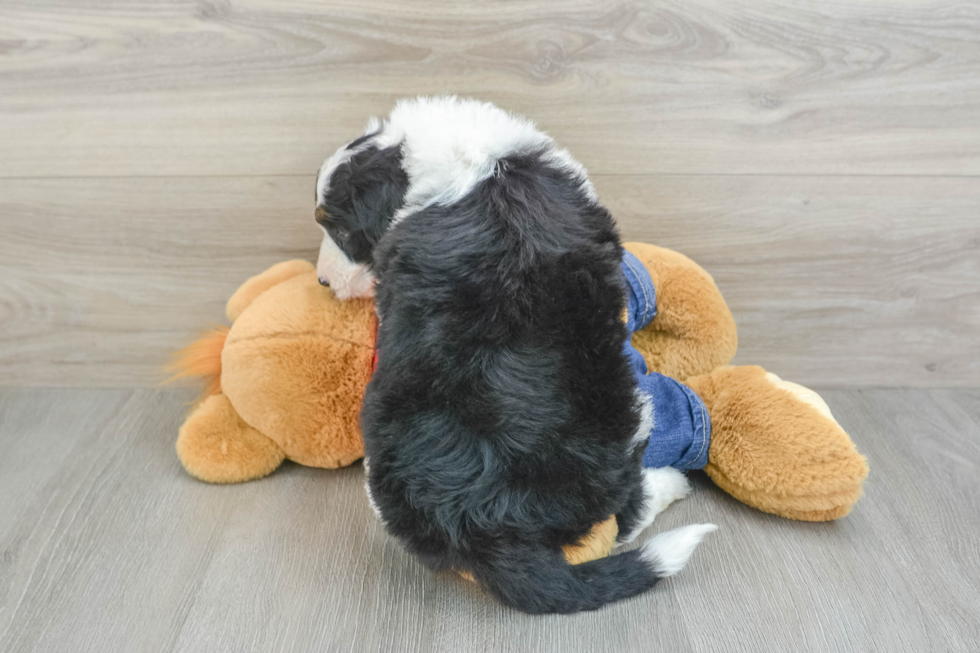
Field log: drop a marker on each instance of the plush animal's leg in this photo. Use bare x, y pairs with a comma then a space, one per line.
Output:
693, 331
216, 446
776, 446
659, 488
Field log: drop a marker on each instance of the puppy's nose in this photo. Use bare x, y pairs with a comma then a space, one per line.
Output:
324, 281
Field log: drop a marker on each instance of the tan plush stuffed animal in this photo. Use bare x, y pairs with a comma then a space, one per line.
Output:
285, 381
288, 377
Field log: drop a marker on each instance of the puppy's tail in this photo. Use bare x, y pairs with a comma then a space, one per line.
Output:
539, 581
201, 359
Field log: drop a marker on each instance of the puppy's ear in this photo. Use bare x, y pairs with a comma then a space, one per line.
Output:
377, 186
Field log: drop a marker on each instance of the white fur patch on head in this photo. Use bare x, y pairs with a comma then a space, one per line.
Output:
345, 277
449, 145
667, 553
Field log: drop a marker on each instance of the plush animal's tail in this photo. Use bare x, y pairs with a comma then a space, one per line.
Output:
200, 359
540, 581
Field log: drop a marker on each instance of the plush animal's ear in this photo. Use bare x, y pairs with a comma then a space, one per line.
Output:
258, 284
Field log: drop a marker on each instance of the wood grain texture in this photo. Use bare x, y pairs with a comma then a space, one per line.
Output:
832, 280
821, 159
106, 545
213, 87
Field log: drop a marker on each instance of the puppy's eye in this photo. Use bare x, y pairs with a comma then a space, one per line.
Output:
342, 234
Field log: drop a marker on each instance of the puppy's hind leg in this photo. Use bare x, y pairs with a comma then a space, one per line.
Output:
659, 487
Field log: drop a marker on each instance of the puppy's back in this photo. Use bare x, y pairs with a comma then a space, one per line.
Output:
502, 406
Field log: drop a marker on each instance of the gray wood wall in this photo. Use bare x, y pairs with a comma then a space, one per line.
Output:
821, 160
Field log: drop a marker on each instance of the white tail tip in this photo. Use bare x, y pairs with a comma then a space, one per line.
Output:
669, 552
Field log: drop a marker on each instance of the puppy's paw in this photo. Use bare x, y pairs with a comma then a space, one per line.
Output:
661, 486
367, 490
664, 486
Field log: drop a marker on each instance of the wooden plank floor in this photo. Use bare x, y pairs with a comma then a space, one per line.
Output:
821, 159
106, 545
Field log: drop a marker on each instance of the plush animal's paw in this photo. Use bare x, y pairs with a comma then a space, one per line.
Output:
776, 446
216, 446
661, 487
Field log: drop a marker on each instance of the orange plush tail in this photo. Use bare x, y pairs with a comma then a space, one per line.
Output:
201, 359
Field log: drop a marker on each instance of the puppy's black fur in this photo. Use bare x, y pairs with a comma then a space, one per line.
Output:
364, 194
498, 423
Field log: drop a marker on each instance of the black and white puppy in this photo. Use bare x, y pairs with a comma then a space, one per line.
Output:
502, 421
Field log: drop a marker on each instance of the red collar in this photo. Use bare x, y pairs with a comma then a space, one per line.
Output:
374, 357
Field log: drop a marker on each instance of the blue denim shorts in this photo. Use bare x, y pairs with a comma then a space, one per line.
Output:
681, 429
